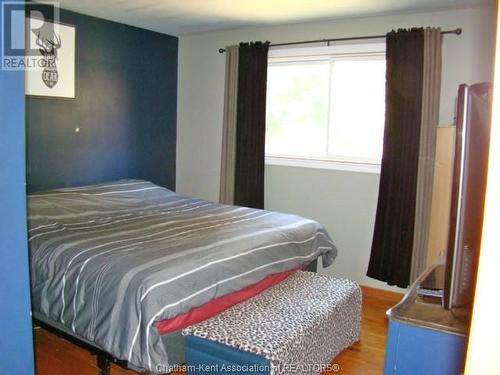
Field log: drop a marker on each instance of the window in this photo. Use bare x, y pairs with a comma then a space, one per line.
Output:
325, 107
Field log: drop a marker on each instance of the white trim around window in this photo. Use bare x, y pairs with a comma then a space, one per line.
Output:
315, 53
289, 161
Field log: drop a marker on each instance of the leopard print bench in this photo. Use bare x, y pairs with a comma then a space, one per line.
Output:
295, 327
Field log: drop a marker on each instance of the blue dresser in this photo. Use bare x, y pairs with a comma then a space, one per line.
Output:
423, 337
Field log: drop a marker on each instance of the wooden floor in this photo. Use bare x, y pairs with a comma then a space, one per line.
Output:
56, 356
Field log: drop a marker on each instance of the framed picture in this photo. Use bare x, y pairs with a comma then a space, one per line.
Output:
51, 70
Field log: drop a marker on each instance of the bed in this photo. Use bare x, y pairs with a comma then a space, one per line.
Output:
111, 262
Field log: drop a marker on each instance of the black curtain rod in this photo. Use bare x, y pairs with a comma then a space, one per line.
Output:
457, 31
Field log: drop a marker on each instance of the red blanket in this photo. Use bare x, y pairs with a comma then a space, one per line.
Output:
218, 305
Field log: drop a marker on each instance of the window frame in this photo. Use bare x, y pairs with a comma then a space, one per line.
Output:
287, 55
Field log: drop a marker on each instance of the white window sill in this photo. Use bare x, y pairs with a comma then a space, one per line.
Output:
323, 164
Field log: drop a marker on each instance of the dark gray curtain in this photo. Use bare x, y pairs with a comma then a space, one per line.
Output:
431, 93
228, 154
251, 125
392, 245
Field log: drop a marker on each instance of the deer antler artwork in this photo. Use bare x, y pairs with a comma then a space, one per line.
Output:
50, 75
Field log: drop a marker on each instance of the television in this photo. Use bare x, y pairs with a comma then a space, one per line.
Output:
473, 122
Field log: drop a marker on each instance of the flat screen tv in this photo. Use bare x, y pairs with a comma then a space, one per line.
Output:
473, 118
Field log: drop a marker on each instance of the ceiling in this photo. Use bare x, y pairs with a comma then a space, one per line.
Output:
180, 17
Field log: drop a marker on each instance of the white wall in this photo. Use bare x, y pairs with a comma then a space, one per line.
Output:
344, 202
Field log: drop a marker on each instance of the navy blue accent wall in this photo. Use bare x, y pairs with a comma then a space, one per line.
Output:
125, 110
16, 342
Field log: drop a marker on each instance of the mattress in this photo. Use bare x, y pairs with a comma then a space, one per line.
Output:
109, 261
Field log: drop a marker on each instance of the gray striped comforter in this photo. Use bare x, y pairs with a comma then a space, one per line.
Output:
109, 260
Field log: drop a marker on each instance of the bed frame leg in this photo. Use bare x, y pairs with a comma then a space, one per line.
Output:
104, 364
